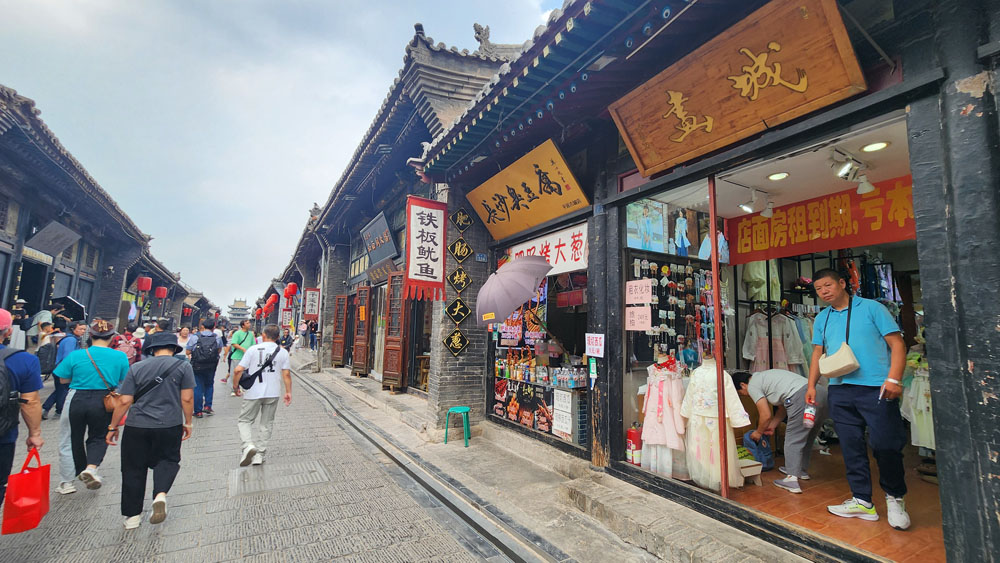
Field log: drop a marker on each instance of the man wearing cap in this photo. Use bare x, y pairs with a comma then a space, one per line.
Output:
45, 316
158, 395
91, 373
25, 377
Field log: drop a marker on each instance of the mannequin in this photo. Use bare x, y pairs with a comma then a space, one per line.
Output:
680, 234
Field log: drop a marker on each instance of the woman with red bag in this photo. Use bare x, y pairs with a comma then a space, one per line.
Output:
24, 376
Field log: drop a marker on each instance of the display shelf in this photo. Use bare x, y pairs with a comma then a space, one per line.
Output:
546, 385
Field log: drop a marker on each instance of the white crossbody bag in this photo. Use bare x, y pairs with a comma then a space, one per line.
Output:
843, 361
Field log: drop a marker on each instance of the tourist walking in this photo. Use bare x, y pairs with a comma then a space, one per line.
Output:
866, 399
286, 341
91, 373
239, 343
266, 365
183, 338
204, 350
67, 345
313, 332
21, 381
158, 395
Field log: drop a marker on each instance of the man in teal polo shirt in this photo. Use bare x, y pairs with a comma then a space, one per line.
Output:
868, 397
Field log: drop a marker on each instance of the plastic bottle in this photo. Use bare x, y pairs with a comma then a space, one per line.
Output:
809, 415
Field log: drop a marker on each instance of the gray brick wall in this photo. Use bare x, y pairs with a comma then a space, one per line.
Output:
335, 274
459, 381
109, 291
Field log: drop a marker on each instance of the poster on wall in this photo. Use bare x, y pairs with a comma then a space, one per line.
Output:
286, 317
310, 308
840, 220
523, 403
425, 248
644, 226
565, 250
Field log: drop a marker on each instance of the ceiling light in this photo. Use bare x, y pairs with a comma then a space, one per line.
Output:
749, 206
864, 186
778, 176
845, 166
845, 169
769, 210
874, 147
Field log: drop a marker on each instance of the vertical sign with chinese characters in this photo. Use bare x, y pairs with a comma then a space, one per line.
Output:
310, 310
840, 220
425, 248
566, 250
536, 188
787, 59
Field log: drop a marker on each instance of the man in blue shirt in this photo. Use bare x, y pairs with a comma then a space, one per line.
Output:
69, 343
204, 370
25, 376
867, 398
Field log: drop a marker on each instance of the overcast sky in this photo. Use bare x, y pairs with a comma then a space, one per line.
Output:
216, 124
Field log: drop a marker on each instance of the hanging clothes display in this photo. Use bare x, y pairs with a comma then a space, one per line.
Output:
663, 426
680, 234
915, 404
700, 408
784, 345
755, 279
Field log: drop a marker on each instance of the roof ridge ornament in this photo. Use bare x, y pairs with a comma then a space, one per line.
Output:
482, 34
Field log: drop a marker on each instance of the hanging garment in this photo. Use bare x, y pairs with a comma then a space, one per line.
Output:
915, 404
680, 236
755, 280
663, 424
700, 407
705, 250
783, 344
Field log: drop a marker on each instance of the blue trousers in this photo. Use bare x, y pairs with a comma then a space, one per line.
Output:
57, 397
204, 389
855, 408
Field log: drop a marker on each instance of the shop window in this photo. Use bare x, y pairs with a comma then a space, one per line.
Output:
70, 253
62, 283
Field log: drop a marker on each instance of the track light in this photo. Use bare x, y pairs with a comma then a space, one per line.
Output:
769, 209
864, 186
845, 166
749, 206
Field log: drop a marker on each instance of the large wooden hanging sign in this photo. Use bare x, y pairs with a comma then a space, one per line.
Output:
785, 60
425, 248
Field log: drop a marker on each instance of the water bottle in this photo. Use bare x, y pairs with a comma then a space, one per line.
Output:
809, 415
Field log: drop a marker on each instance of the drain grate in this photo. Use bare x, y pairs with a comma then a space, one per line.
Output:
267, 477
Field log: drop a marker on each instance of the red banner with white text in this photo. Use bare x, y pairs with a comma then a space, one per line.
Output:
426, 224
841, 220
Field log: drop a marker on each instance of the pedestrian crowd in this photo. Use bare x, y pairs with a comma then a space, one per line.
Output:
138, 389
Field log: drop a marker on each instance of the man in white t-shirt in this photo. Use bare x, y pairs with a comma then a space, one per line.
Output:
264, 361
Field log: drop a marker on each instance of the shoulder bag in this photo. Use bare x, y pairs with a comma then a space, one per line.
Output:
156, 381
843, 361
247, 381
111, 399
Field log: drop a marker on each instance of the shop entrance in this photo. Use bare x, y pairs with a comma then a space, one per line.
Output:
34, 285
842, 203
419, 343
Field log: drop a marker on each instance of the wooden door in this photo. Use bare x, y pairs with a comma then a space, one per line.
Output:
394, 358
339, 329
362, 318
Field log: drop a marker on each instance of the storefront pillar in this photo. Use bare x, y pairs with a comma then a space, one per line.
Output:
336, 264
604, 318
954, 153
116, 261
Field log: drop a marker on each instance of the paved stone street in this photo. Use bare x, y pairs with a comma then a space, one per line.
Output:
321, 495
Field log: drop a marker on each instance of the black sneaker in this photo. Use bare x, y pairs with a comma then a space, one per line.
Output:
198, 415
45, 415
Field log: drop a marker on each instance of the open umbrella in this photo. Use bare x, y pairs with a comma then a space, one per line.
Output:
509, 287
73, 308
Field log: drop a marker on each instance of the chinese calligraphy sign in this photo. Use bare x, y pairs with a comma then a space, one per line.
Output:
310, 311
536, 188
458, 311
378, 240
462, 219
840, 220
380, 271
456, 342
460, 250
566, 250
787, 59
459, 279
425, 248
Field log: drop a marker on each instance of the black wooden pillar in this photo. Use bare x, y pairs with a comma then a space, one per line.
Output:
597, 322
954, 157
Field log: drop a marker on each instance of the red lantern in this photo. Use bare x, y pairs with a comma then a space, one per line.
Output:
143, 283
161, 292
272, 299
258, 312
291, 289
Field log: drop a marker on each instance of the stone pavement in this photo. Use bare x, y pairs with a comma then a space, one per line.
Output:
322, 494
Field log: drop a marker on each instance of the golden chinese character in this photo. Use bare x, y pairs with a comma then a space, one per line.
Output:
779, 229
744, 233
761, 233
818, 219
839, 207
688, 123
456, 340
797, 232
758, 75
900, 204
871, 204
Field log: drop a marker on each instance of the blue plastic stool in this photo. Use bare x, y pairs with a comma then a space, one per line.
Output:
464, 411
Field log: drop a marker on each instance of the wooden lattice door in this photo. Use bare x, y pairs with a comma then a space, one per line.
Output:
339, 329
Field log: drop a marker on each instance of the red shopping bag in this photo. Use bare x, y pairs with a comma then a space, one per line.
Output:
27, 497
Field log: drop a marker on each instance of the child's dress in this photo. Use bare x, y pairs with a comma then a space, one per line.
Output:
663, 426
701, 408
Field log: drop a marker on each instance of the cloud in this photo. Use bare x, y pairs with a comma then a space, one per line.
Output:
216, 125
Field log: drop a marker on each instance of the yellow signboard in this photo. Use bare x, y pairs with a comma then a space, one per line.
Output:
787, 59
538, 187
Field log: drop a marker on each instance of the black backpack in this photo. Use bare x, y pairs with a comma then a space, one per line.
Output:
10, 399
205, 354
47, 357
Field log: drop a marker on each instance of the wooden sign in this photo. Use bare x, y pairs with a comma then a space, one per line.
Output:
459, 279
785, 60
840, 220
460, 250
536, 188
456, 342
458, 311
462, 219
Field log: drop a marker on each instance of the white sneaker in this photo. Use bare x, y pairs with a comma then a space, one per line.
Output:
232, 393
852, 508
258, 459
804, 476
247, 456
133, 522
65, 488
91, 478
159, 513
898, 518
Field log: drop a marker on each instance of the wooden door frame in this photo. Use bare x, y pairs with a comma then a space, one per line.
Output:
338, 342
362, 338
394, 355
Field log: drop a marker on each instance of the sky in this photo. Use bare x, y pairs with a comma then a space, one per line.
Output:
215, 124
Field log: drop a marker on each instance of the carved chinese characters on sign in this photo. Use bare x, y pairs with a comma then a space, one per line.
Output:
459, 279
456, 342
534, 189
462, 219
841, 220
378, 240
787, 59
425, 248
458, 311
460, 250
565, 250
